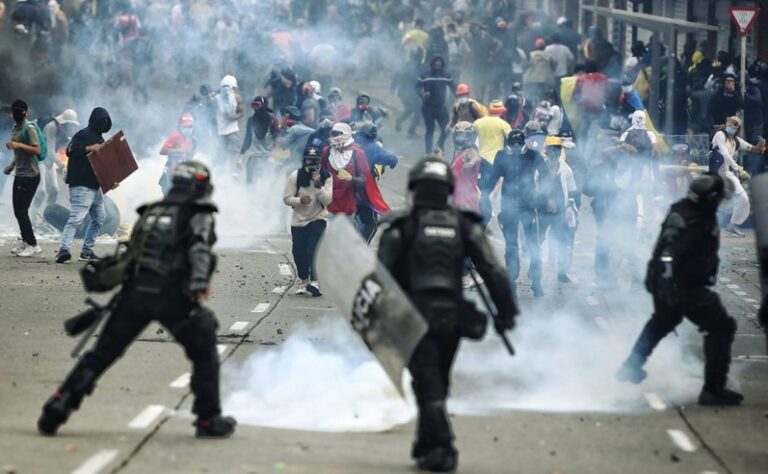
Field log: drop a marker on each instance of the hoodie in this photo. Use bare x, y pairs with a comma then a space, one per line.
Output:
79, 170
434, 85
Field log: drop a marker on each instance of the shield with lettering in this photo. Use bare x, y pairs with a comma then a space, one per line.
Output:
369, 297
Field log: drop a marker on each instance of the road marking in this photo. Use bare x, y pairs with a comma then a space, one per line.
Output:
592, 300
724, 280
682, 440
310, 308
762, 358
741, 293
655, 401
97, 462
709, 472
260, 308
221, 348
733, 286
239, 326
279, 289
146, 417
750, 300
601, 323
285, 269
182, 381
756, 306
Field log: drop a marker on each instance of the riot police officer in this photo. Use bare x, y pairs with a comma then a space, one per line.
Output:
682, 268
167, 279
425, 250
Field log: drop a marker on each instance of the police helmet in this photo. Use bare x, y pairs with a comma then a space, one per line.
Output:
192, 177
516, 137
708, 190
430, 169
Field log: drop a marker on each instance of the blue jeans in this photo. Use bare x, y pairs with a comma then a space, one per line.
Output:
84, 201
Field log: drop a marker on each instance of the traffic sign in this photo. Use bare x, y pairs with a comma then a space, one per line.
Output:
743, 18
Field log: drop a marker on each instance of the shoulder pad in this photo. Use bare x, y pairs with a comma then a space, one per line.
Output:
395, 217
675, 220
142, 209
471, 215
204, 205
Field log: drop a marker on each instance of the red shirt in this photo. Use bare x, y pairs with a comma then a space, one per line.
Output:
178, 142
465, 193
344, 194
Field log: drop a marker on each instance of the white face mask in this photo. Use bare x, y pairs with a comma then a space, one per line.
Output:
187, 131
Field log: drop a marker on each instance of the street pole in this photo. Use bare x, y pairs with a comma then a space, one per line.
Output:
743, 77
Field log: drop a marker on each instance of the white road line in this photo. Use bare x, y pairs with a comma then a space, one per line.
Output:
260, 308
733, 286
239, 326
97, 462
761, 358
310, 308
741, 293
279, 289
756, 306
182, 381
750, 300
655, 401
682, 440
601, 323
724, 280
285, 269
709, 472
592, 300
146, 417
221, 348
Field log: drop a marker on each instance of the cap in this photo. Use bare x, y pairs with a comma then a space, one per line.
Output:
68, 116
496, 107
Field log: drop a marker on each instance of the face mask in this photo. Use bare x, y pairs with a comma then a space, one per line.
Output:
186, 131
463, 100
363, 107
18, 115
730, 131
626, 89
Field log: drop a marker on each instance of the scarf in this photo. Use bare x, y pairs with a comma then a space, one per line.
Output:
304, 177
340, 157
638, 120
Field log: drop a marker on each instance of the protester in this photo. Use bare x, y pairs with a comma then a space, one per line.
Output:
540, 74
228, 112
179, 146
308, 191
85, 196
293, 136
26, 146
261, 132
466, 166
58, 133
492, 132
434, 86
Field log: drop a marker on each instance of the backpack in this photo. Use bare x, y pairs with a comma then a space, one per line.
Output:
716, 159
40, 138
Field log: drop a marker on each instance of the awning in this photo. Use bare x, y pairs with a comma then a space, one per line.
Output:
651, 22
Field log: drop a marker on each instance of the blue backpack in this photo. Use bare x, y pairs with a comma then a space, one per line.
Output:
40, 138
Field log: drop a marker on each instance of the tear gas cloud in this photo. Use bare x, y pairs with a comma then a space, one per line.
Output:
322, 378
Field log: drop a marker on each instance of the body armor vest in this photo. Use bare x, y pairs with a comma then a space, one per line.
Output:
436, 254
158, 242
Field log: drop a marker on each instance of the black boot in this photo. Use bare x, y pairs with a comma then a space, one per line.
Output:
56, 412
720, 397
215, 427
443, 459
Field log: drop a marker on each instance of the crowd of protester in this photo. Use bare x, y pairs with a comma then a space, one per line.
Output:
538, 114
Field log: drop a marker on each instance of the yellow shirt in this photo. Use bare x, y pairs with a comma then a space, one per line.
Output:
416, 38
492, 132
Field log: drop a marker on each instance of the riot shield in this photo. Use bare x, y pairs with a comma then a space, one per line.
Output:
758, 187
369, 297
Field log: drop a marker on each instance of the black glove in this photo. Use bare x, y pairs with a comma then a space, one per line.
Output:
503, 324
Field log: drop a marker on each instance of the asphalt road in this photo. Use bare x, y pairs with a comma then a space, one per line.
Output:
311, 402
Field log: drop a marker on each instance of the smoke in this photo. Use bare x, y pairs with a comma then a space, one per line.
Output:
324, 379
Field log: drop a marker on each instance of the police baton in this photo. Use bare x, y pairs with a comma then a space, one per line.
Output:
492, 311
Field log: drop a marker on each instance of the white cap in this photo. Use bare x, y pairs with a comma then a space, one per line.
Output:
68, 116
315, 85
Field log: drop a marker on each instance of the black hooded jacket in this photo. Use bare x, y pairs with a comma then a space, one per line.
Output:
435, 86
79, 170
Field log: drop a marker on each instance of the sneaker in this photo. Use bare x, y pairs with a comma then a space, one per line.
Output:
56, 411
314, 289
301, 291
631, 373
30, 251
439, 460
564, 278
19, 248
89, 256
733, 230
216, 427
62, 256
721, 397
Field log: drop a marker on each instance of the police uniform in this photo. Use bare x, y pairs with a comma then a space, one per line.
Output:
683, 266
171, 267
425, 250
